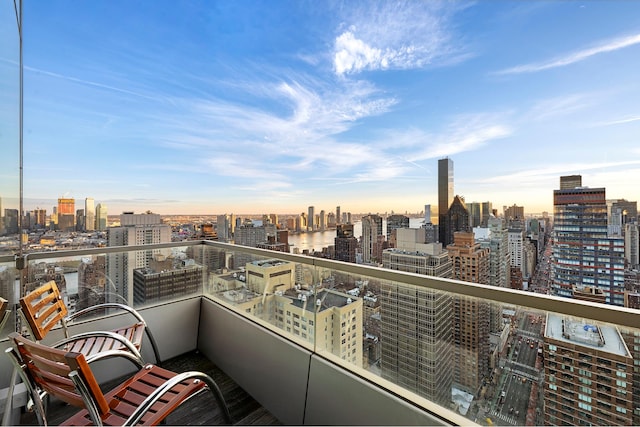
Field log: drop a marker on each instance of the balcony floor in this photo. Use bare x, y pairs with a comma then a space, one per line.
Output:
198, 411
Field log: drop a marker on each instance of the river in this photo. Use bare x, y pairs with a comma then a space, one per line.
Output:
322, 239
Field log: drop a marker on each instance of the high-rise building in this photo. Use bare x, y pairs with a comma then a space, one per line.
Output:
416, 257
583, 253
322, 224
90, 214
456, 219
475, 214
338, 218
568, 182
632, 245
516, 247
331, 320
619, 213
394, 222
223, 228
417, 350
371, 229
11, 221
471, 317
92, 282
166, 278
134, 230
487, 212
311, 226
66, 214
345, 243
499, 256
101, 217
588, 374
80, 220
445, 196
514, 213
39, 218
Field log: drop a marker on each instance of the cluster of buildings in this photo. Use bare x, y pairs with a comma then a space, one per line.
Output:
425, 340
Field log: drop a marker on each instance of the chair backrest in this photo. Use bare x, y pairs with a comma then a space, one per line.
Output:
43, 309
50, 370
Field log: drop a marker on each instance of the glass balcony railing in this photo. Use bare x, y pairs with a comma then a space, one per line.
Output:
492, 355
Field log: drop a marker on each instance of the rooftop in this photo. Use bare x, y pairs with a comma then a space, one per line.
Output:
587, 333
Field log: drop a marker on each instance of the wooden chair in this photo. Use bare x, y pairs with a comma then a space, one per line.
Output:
44, 308
4, 312
146, 398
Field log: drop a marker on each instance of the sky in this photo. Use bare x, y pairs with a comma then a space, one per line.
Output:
211, 107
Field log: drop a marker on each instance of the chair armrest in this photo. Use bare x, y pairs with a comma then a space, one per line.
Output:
119, 306
137, 415
132, 352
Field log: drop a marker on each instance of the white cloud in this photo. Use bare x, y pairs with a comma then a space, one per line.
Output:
629, 119
467, 133
577, 56
559, 106
556, 171
394, 35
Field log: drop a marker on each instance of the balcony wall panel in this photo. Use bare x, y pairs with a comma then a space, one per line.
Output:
338, 397
271, 369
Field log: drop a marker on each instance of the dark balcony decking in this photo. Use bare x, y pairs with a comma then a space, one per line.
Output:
201, 410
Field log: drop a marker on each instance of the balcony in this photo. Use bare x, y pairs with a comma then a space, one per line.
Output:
304, 376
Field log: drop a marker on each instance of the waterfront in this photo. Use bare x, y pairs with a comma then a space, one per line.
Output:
315, 241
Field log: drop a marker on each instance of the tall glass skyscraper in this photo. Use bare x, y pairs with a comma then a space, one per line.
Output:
445, 195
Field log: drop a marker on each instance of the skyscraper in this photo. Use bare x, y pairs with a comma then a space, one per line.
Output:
223, 228
583, 253
456, 219
475, 214
101, 217
445, 195
632, 245
394, 222
514, 213
90, 214
588, 374
66, 214
471, 317
345, 243
371, 229
499, 258
134, 230
311, 226
338, 218
417, 349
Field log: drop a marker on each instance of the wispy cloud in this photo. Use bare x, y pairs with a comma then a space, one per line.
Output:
394, 35
556, 170
88, 82
629, 119
466, 133
559, 106
577, 56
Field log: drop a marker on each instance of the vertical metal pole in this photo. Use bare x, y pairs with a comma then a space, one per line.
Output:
8, 408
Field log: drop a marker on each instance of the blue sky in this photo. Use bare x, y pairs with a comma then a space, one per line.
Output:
209, 107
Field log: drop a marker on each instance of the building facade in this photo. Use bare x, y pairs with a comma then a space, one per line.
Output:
445, 196
371, 230
588, 374
583, 253
134, 230
471, 317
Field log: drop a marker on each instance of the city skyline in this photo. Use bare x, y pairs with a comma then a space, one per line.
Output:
258, 107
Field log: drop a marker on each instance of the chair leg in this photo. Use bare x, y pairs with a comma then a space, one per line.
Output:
215, 390
8, 406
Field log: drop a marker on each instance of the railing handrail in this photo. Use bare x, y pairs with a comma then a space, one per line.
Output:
621, 316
